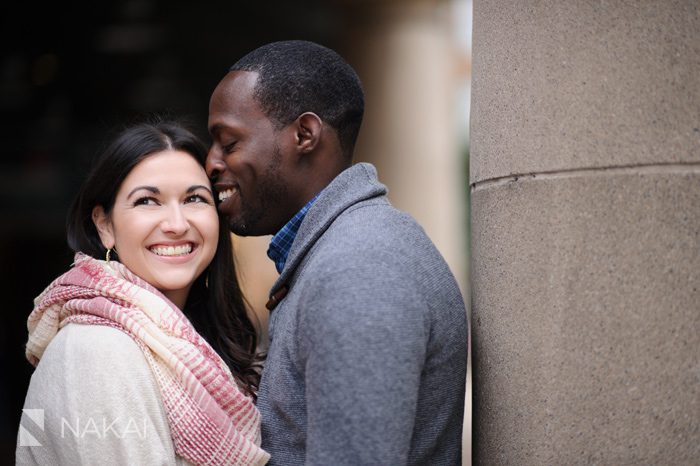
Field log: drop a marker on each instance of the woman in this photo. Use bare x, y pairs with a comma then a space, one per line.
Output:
144, 352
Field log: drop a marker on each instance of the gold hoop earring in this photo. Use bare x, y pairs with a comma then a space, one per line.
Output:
109, 252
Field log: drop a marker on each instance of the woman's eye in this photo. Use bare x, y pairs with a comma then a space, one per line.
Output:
146, 200
197, 198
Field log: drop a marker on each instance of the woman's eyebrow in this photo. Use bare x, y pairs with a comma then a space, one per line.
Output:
198, 186
152, 189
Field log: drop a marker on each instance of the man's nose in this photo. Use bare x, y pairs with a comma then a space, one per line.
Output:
215, 163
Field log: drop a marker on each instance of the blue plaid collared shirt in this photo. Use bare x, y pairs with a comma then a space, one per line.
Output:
282, 241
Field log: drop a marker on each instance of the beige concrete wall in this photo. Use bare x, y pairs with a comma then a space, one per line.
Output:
585, 173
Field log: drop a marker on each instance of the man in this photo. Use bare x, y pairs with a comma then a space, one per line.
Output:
368, 333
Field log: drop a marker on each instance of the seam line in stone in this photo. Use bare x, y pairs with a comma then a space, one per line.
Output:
657, 168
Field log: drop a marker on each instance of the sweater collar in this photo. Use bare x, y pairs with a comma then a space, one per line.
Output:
353, 185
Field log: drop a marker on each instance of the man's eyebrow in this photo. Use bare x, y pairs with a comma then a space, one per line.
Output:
215, 128
152, 189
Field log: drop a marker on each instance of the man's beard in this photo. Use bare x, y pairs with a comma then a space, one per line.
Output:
270, 193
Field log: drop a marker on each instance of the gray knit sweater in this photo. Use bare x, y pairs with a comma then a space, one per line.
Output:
368, 351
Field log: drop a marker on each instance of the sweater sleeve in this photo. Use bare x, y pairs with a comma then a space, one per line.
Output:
99, 403
364, 339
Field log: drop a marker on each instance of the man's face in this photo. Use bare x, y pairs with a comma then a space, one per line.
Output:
246, 162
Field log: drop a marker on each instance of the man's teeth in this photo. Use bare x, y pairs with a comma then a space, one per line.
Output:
172, 250
223, 195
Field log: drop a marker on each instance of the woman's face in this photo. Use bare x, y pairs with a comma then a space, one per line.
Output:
164, 225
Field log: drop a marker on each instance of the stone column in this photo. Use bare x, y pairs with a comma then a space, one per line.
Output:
585, 175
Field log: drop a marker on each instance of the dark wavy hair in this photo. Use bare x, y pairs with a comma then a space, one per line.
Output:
215, 305
297, 76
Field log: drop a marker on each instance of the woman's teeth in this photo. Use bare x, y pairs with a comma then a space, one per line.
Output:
172, 250
223, 195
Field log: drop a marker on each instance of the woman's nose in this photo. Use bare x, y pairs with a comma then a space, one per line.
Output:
175, 221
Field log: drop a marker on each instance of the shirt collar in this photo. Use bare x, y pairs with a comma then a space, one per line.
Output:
281, 243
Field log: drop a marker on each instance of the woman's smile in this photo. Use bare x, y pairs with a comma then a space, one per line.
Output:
179, 250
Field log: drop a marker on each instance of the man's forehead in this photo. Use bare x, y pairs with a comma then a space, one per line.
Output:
238, 81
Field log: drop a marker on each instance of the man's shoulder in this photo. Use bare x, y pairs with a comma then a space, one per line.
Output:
376, 219
375, 248
374, 230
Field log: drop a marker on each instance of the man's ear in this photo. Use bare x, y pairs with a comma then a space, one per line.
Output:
104, 227
308, 132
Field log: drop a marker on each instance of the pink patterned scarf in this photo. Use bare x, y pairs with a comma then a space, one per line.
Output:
211, 421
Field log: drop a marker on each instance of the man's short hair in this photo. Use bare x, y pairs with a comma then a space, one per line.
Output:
299, 76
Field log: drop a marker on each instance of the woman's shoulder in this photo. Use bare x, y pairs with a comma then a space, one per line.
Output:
100, 401
83, 358
90, 342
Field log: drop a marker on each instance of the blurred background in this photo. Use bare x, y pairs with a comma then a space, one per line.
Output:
71, 73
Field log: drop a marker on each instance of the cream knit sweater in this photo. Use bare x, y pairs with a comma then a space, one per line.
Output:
101, 404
